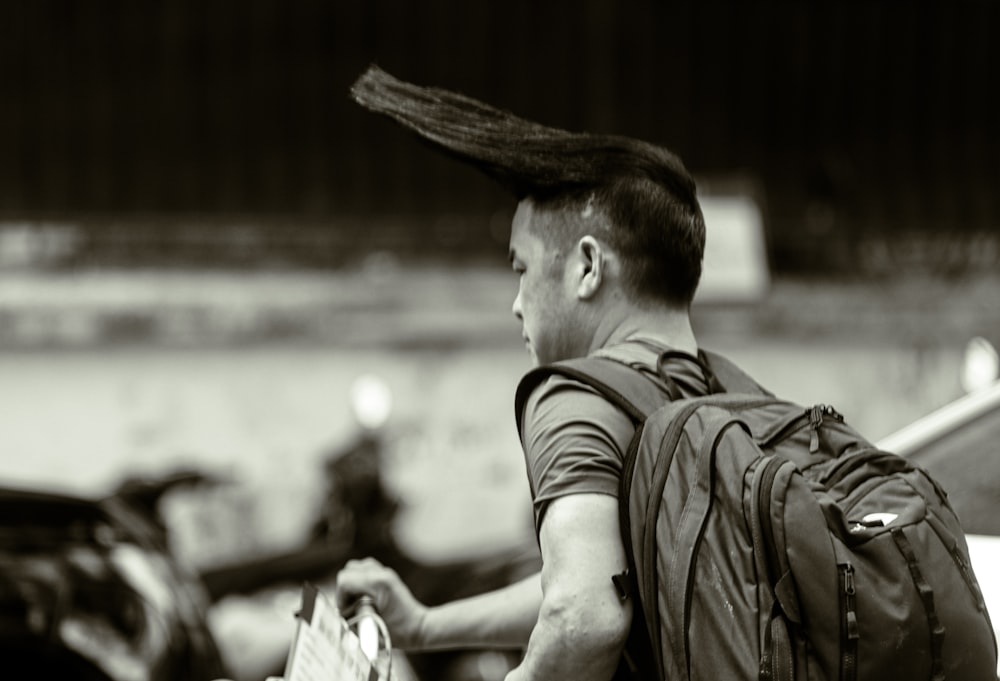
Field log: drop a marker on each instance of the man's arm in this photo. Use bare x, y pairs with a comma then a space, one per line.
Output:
582, 625
499, 619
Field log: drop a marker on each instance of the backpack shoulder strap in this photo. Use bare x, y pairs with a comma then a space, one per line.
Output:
629, 389
619, 383
725, 376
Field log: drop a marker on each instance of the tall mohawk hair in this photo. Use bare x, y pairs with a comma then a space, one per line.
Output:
526, 158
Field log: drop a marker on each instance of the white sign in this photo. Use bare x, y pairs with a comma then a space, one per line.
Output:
735, 267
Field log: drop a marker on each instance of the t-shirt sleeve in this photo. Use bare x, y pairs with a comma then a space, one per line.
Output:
574, 442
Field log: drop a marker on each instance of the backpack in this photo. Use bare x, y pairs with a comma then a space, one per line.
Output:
771, 541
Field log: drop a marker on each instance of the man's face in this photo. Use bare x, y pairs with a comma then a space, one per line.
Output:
546, 302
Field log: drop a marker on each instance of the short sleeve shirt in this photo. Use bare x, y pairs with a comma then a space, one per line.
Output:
575, 441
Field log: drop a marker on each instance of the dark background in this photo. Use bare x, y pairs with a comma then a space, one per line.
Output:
194, 132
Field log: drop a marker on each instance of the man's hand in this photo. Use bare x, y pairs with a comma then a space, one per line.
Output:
403, 614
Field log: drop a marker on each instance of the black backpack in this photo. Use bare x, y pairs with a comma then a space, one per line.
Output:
771, 541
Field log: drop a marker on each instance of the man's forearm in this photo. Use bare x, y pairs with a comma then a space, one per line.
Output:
499, 619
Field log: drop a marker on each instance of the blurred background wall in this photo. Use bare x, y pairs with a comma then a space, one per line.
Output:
220, 131
204, 242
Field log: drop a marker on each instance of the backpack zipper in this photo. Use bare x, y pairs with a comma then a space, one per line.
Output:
816, 415
849, 634
813, 417
964, 568
967, 574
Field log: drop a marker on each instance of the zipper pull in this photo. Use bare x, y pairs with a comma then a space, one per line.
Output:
816, 415
815, 421
849, 591
852, 626
849, 580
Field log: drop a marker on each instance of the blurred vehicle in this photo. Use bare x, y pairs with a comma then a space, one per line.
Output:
959, 445
88, 590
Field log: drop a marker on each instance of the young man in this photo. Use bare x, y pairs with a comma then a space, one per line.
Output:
607, 241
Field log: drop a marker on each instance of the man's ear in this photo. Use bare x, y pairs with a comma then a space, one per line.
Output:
592, 267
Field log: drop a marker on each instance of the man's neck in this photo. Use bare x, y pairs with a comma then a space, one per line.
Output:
668, 327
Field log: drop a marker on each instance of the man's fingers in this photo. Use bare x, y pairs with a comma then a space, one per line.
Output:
363, 577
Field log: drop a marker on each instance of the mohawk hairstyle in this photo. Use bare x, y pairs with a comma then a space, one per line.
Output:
526, 158
647, 194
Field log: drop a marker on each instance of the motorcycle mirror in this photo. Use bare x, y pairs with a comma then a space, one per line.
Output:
980, 365
371, 401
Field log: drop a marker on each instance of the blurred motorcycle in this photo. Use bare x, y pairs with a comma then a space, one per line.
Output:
89, 590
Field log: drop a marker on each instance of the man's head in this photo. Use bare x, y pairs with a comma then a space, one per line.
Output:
658, 236
631, 203
581, 274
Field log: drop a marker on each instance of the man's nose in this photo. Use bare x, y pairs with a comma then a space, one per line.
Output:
516, 307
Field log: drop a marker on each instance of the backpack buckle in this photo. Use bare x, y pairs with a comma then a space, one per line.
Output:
624, 585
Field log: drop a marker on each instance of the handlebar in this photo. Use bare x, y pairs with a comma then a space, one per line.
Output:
372, 634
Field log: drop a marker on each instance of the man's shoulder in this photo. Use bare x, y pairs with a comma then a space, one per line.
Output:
553, 399
565, 392
545, 384
563, 404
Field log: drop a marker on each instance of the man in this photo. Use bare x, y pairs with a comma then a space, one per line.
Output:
607, 241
